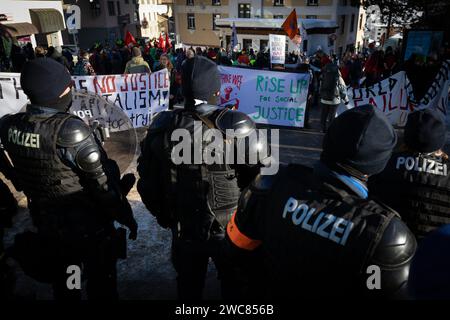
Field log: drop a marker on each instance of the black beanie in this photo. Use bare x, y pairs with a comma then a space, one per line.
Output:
425, 131
200, 78
361, 138
44, 80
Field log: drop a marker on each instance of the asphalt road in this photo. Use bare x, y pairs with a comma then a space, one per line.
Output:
148, 273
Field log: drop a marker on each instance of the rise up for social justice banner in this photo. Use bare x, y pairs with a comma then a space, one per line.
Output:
269, 97
138, 95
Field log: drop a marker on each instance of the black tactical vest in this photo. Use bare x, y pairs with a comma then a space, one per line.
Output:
204, 197
325, 237
417, 186
30, 141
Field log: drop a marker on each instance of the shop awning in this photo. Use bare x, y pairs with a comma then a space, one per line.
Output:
21, 29
47, 20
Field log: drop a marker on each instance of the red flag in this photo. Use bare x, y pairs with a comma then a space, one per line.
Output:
290, 25
168, 43
161, 43
129, 38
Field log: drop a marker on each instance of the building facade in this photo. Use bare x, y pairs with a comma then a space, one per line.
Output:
154, 17
38, 22
105, 21
195, 21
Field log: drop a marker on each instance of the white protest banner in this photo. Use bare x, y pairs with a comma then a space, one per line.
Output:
437, 96
270, 97
390, 95
12, 98
277, 44
139, 95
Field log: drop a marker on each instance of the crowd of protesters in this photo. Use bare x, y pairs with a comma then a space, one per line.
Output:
356, 68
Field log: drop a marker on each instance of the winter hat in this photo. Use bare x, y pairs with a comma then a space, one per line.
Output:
200, 79
361, 138
44, 80
136, 52
425, 131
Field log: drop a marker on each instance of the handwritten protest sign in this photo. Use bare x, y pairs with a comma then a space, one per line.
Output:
437, 95
12, 98
389, 96
269, 97
139, 95
277, 45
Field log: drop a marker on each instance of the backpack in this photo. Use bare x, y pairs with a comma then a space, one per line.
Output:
330, 79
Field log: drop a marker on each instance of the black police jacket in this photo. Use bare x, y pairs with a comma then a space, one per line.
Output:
418, 187
196, 199
317, 238
59, 163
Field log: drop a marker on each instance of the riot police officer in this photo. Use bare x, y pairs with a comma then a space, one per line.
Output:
317, 229
74, 191
194, 198
416, 180
8, 208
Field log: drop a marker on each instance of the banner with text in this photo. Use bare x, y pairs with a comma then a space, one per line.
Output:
437, 95
270, 97
277, 45
139, 95
389, 95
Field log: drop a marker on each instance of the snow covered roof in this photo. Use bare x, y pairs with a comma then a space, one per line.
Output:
274, 23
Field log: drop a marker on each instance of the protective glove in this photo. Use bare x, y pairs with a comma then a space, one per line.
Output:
126, 183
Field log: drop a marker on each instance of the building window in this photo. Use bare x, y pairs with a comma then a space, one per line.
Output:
191, 21
244, 10
311, 17
216, 2
127, 1
360, 21
278, 16
189, 2
342, 24
247, 43
278, 3
313, 2
111, 8
352, 23
214, 17
119, 12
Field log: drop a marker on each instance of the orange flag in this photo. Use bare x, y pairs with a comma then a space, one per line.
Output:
290, 25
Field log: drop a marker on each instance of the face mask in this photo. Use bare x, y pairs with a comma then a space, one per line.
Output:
64, 103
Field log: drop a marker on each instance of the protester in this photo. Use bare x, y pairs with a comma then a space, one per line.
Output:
83, 66
332, 93
137, 63
40, 52
374, 68
164, 62
55, 53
